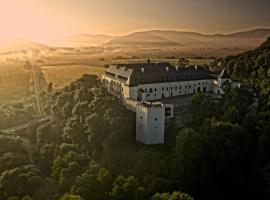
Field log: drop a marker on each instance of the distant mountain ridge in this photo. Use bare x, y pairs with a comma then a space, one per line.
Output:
189, 38
18, 45
93, 39
182, 42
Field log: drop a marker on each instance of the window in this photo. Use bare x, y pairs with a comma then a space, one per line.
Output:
175, 87
141, 117
180, 87
155, 119
155, 95
163, 89
155, 89
167, 88
171, 88
155, 127
150, 90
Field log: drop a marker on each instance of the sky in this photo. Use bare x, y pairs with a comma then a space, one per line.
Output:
44, 20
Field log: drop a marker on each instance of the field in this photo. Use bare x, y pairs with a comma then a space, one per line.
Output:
14, 80
192, 61
61, 67
61, 76
62, 70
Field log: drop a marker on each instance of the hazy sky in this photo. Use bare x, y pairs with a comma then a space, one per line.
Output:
46, 19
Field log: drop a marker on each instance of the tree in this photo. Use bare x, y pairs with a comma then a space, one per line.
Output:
20, 181
71, 197
126, 188
239, 98
93, 184
173, 196
12, 160
213, 162
27, 198
14, 198
201, 108
231, 115
67, 167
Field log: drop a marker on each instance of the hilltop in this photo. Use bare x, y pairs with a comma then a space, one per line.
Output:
19, 45
250, 64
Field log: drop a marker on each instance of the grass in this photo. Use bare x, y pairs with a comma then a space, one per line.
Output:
61, 76
172, 61
14, 80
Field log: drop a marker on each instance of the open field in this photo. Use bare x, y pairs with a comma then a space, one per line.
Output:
172, 61
14, 80
61, 76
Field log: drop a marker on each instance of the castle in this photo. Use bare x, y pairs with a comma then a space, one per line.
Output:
154, 90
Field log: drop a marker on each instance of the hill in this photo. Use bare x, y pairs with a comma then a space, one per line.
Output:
251, 64
141, 39
192, 39
19, 45
86, 40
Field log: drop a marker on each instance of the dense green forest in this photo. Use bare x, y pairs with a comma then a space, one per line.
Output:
88, 150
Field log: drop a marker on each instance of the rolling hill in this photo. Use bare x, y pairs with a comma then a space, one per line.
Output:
251, 64
86, 39
191, 39
19, 45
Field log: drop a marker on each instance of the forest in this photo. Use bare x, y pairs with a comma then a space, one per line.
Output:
87, 151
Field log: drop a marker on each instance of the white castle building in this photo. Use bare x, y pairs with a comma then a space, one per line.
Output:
144, 87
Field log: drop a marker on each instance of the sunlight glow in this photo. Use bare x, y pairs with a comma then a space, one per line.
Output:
22, 19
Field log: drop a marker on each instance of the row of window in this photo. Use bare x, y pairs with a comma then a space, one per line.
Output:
173, 78
185, 92
150, 90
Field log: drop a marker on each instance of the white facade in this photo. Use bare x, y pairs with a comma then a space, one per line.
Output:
155, 91
150, 124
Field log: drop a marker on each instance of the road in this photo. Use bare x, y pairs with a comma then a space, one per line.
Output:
36, 89
25, 125
39, 119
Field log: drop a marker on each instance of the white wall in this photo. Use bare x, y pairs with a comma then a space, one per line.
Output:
150, 123
141, 125
154, 91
